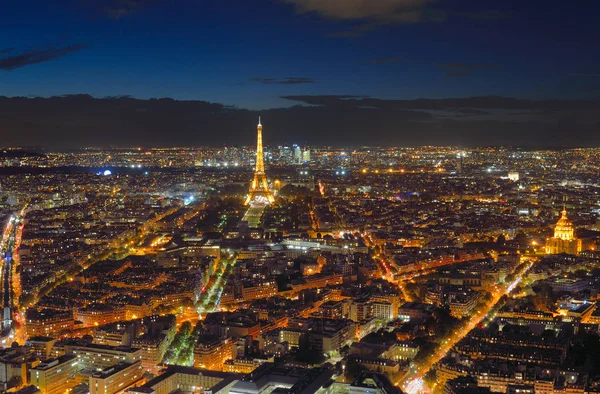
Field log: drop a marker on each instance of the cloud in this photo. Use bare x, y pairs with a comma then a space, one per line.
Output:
370, 13
584, 75
486, 15
480, 102
284, 81
336, 120
6, 50
361, 9
35, 56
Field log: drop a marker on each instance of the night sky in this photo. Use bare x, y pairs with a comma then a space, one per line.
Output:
338, 72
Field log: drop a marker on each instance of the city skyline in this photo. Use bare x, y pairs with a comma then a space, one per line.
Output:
80, 121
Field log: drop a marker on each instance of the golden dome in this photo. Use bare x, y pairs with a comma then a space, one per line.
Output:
564, 227
564, 220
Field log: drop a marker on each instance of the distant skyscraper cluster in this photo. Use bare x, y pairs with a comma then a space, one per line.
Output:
293, 155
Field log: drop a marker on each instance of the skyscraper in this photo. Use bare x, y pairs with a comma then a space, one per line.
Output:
306, 156
259, 189
297, 154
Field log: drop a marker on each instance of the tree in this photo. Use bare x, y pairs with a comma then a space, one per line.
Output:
306, 353
26, 300
353, 369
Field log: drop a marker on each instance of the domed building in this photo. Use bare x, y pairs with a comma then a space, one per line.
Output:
564, 240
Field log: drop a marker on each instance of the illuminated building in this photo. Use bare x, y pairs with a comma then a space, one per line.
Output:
564, 240
187, 379
114, 379
99, 315
263, 290
513, 176
259, 189
306, 156
241, 365
213, 355
297, 154
55, 376
48, 322
98, 357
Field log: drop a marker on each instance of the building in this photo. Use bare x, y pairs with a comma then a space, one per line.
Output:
373, 383
297, 154
329, 335
262, 290
513, 176
187, 379
241, 365
415, 311
306, 156
153, 349
360, 309
259, 188
564, 240
273, 377
568, 285
212, 355
116, 378
119, 334
383, 310
100, 315
463, 303
55, 375
332, 309
99, 357
15, 364
464, 384
42, 346
48, 322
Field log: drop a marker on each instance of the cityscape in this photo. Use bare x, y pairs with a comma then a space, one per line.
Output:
299, 197
335, 270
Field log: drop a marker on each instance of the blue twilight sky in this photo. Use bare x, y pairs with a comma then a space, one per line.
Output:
249, 53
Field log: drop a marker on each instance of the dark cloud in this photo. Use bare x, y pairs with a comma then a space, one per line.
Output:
6, 50
482, 102
370, 14
486, 15
34, 56
345, 120
284, 81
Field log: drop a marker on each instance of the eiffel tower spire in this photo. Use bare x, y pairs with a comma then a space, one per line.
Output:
259, 189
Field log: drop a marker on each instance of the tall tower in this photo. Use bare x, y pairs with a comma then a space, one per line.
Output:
259, 189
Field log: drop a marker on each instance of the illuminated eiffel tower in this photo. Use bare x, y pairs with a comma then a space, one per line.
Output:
259, 189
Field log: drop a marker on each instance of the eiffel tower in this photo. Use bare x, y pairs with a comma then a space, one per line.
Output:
259, 189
